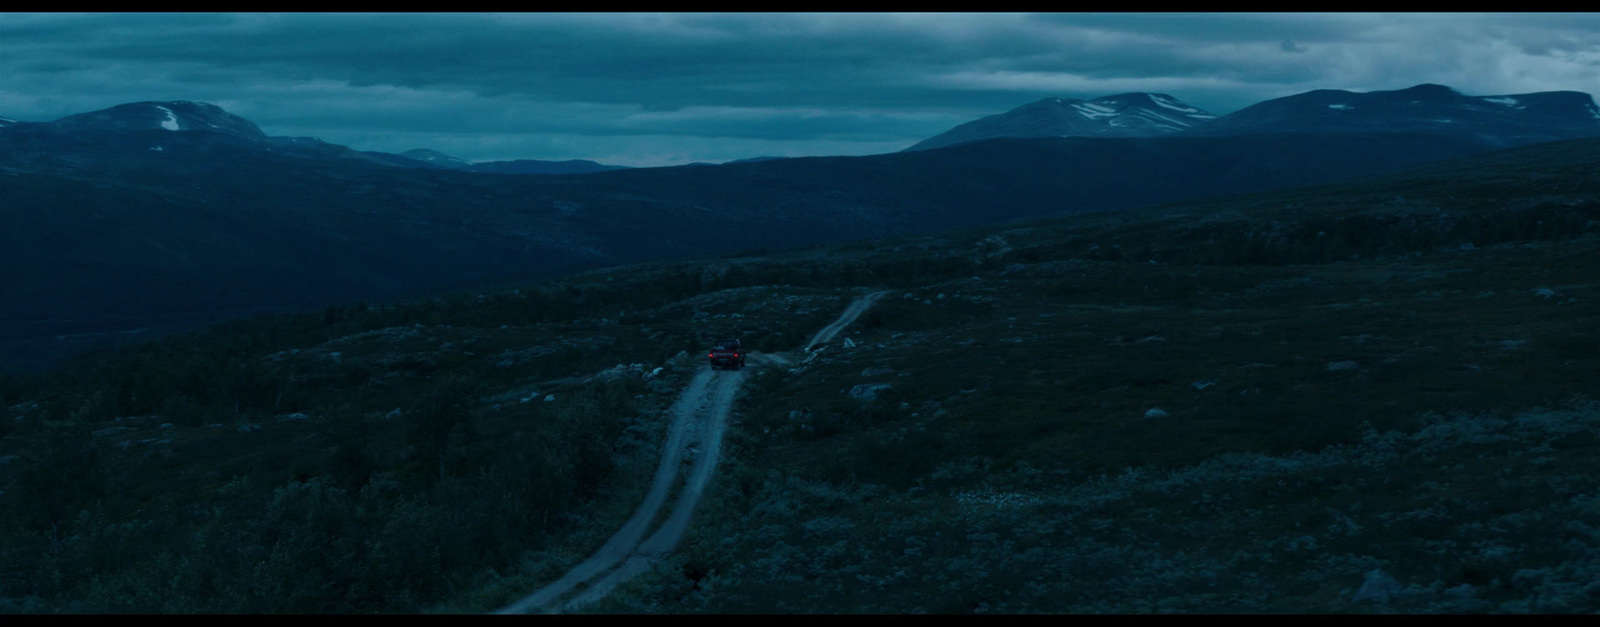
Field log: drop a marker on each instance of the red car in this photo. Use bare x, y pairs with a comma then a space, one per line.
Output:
727, 353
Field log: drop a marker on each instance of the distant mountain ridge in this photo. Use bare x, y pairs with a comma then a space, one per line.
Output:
116, 221
437, 158
110, 236
1507, 120
515, 166
1501, 121
1135, 114
185, 115
171, 116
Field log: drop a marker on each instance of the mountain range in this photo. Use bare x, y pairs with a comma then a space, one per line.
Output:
1374, 394
1503, 121
1121, 115
148, 216
200, 116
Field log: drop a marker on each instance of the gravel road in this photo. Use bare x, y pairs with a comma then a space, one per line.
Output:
699, 419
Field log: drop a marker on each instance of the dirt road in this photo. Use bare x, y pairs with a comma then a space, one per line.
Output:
699, 419
850, 314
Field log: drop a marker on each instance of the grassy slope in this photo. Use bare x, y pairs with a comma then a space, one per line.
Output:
1394, 394
231, 230
1016, 469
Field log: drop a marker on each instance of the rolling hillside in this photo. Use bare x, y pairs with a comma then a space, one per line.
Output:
110, 239
1371, 396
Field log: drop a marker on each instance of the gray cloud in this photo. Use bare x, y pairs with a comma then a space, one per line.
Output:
652, 89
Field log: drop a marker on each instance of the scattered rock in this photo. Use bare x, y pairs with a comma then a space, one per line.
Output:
1463, 593
249, 428
1544, 292
165, 426
848, 343
1335, 366
618, 371
1201, 385
394, 413
655, 373
1379, 587
1155, 412
871, 391
876, 372
294, 416
550, 398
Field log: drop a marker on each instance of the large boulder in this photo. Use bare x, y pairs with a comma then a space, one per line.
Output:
871, 391
1378, 586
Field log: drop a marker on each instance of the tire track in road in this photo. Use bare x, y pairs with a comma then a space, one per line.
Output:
700, 417
622, 542
666, 537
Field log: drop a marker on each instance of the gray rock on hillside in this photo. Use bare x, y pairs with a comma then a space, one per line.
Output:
871, 391
1378, 587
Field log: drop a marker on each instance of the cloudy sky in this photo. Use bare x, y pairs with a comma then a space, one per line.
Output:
665, 89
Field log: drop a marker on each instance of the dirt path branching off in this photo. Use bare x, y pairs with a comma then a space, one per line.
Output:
699, 419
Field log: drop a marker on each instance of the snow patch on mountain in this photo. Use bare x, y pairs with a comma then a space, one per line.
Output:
1176, 125
1092, 111
1135, 114
1168, 103
1501, 120
171, 123
7, 121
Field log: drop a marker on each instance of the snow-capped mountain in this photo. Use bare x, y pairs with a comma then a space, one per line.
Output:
171, 116
1135, 114
1503, 120
143, 125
